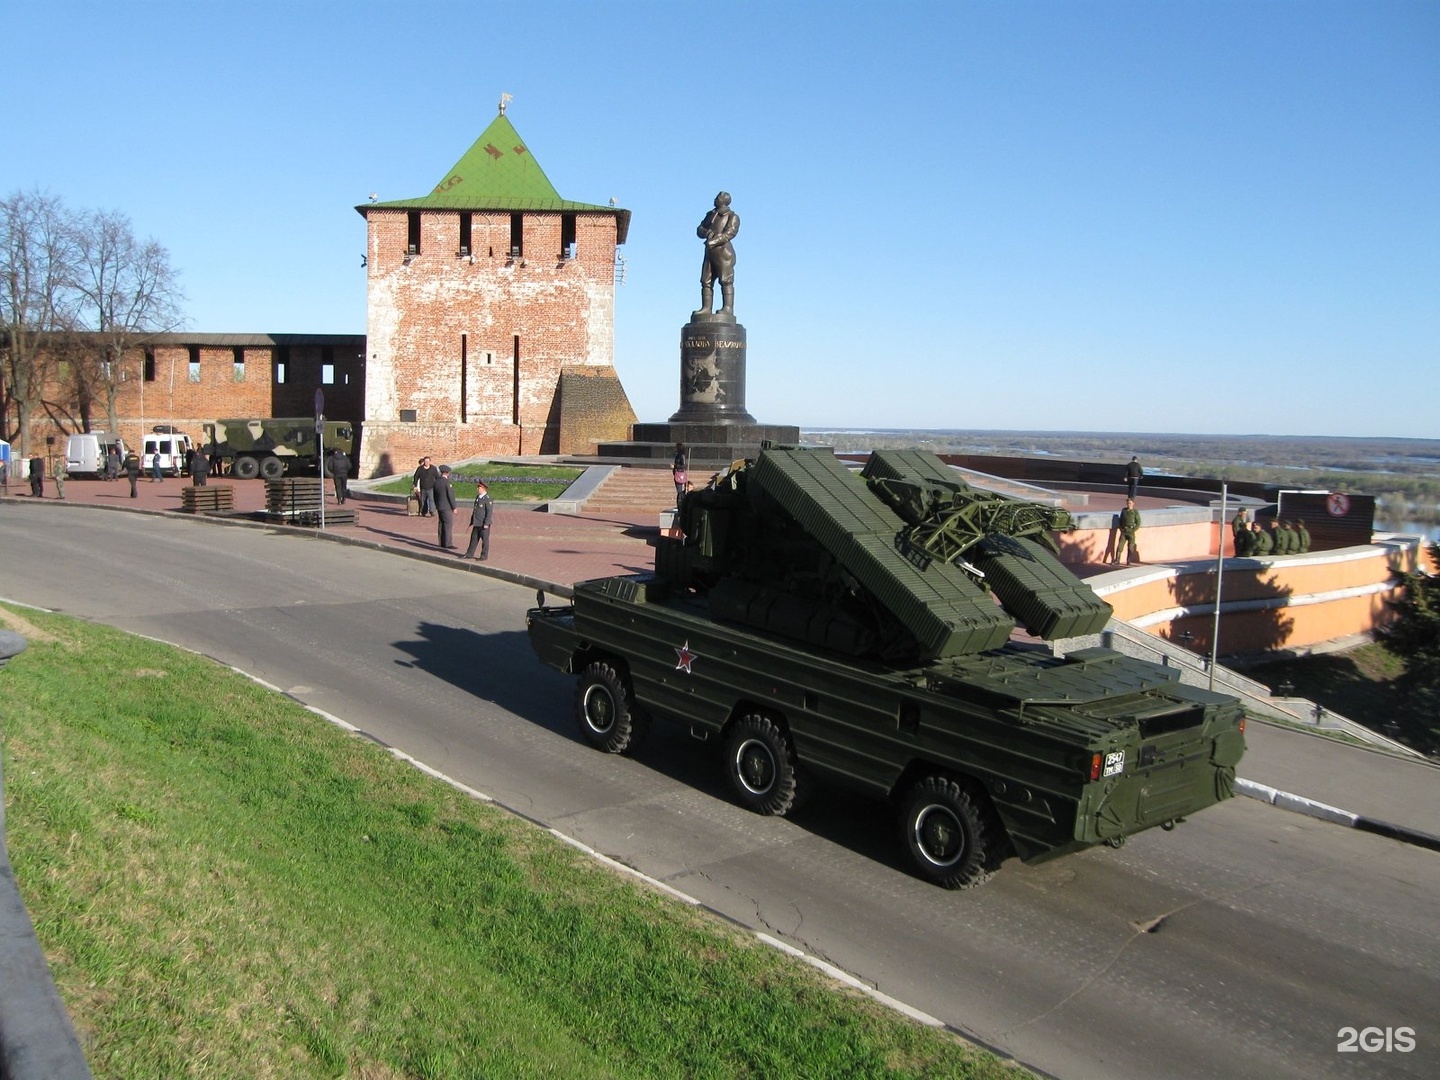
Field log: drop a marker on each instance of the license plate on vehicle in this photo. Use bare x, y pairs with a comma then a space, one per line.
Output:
1114, 763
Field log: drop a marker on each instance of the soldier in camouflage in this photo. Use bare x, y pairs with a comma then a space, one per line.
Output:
1129, 526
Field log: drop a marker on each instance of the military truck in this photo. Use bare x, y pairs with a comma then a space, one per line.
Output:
860, 629
271, 447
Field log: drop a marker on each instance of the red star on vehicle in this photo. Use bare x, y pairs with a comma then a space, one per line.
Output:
684, 658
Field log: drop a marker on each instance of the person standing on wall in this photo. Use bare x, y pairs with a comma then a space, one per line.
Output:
444, 497
340, 473
1129, 527
1133, 473
480, 515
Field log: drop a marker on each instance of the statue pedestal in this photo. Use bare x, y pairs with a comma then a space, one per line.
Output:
712, 372
711, 421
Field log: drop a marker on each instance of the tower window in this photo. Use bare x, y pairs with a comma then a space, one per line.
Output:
413, 239
282, 365
465, 232
194, 363
567, 236
239, 355
517, 236
149, 374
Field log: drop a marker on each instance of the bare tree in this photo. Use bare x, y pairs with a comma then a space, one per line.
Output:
128, 292
37, 298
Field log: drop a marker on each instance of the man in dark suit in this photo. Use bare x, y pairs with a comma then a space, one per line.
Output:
444, 505
340, 473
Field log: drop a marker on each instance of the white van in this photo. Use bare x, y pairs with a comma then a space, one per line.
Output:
85, 452
170, 446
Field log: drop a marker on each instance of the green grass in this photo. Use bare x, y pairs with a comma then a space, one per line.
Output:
507, 483
228, 886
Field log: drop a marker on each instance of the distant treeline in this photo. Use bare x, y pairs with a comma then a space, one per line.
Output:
1402, 474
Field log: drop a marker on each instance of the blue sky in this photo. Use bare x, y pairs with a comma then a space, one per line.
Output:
1107, 216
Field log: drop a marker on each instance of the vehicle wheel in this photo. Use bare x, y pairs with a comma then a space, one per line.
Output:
245, 468
272, 468
605, 707
953, 838
761, 761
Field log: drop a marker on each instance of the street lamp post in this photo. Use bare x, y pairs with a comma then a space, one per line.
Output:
1219, 581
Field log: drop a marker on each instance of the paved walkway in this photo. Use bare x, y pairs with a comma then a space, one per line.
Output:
526, 544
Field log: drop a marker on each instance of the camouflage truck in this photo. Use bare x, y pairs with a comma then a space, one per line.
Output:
860, 629
271, 447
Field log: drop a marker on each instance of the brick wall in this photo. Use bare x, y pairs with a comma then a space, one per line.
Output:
230, 380
465, 352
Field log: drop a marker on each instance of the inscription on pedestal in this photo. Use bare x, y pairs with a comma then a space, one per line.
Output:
712, 372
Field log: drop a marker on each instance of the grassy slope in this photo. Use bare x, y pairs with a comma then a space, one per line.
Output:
228, 886
1369, 685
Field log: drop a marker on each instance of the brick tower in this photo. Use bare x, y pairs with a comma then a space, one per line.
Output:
490, 316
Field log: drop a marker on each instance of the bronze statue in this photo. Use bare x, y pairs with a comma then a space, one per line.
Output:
717, 230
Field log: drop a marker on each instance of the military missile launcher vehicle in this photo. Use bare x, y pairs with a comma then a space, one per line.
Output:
859, 629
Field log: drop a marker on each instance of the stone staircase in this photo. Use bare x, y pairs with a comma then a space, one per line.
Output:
630, 490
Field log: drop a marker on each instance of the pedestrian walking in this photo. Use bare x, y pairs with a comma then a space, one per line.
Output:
112, 461
424, 486
340, 473
1129, 527
61, 474
155, 474
480, 516
444, 497
132, 472
37, 477
1133, 473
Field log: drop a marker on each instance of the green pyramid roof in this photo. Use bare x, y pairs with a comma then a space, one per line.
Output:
497, 173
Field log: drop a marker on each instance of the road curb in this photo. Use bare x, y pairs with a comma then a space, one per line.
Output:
1298, 804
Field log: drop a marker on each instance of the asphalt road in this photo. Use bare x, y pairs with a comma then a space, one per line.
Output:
1240, 945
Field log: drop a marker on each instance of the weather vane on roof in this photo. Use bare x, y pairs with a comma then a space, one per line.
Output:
505, 99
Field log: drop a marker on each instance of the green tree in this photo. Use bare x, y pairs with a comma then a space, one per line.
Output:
1415, 636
